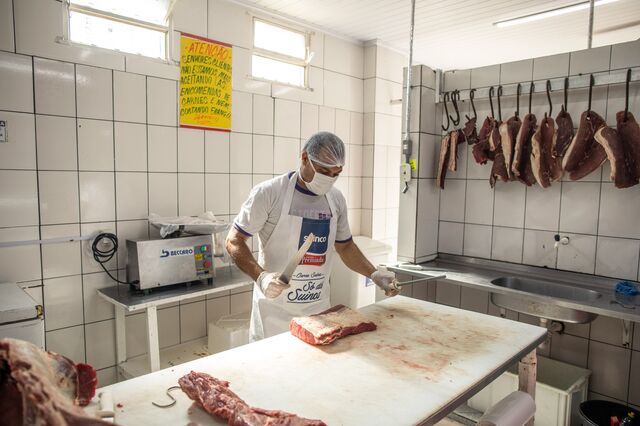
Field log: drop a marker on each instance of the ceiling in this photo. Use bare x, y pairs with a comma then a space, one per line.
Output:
459, 34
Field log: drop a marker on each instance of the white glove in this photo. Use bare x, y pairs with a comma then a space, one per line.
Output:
386, 281
270, 284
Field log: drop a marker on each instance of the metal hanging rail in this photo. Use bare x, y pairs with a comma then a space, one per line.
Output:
575, 82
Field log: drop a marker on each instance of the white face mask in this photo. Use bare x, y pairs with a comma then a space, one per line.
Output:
320, 184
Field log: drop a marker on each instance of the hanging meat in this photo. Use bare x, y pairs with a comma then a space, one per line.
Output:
563, 135
544, 166
469, 131
456, 137
521, 164
629, 132
508, 134
443, 160
482, 150
584, 154
43, 388
498, 169
621, 174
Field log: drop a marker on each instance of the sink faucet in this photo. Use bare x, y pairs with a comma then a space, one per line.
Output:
560, 240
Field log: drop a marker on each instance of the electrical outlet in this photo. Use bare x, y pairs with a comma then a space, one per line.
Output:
3, 131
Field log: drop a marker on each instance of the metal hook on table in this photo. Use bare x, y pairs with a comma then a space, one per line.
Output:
168, 392
549, 97
446, 111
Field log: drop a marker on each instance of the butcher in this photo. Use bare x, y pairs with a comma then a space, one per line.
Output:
281, 212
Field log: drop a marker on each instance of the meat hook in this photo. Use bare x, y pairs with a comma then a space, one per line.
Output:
592, 81
626, 95
549, 97
171, 404
499, 108
472, 94
565, 106
491, 100
531, 88
518, 91
455, 96
446, 111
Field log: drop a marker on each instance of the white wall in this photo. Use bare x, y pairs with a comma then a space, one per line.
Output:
94, 145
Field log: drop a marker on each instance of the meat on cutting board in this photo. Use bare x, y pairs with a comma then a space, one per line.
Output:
508, 134
43, 388
544, 166
521, 164
330, 325
215, 397
443, 160
621, 174
629, 132
584, 154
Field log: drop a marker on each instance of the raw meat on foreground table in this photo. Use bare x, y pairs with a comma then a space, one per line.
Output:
43, 388
215, 397
330, 325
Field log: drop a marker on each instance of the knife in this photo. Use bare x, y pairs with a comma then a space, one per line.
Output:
425, 279
285, 277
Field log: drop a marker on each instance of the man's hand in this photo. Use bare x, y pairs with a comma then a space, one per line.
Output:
271, 285
386, 281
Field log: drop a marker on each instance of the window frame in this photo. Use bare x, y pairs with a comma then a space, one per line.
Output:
86, 10
276, 56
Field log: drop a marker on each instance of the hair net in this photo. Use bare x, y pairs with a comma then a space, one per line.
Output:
326, 149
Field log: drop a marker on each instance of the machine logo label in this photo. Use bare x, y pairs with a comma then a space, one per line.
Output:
185, 251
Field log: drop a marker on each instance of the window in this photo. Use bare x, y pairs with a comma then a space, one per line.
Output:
279, 54
125, 25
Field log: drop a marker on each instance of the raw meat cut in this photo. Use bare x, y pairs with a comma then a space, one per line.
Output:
621, 174
455, 139
629, 132
215, 397
482, 150
498, 169
544, 166
494, 135
443, 160
43, 388
508, 134
584, 155
330, 325
564, 134
521, 164
469, 131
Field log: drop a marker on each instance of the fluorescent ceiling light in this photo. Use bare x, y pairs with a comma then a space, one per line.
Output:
550, 13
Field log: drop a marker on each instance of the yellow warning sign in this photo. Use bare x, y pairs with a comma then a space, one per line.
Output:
205, 83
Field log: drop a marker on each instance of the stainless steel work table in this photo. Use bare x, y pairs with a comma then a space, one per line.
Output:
126, 300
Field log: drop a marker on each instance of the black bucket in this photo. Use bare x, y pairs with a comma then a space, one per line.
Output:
599, 413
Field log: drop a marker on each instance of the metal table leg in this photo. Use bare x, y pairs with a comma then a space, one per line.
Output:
121, 335
152, 338
527, 369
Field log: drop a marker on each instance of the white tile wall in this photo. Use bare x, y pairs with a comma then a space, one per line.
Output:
477, 241
617, 257
507, 244
56, 141
109, 152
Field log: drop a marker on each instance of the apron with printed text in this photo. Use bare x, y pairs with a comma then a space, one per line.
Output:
309, 292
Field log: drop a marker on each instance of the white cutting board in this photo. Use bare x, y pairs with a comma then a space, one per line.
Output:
422, 357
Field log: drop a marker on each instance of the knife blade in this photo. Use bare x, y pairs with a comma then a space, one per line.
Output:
285, 276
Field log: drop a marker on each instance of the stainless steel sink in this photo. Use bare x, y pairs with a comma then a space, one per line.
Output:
540, 309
